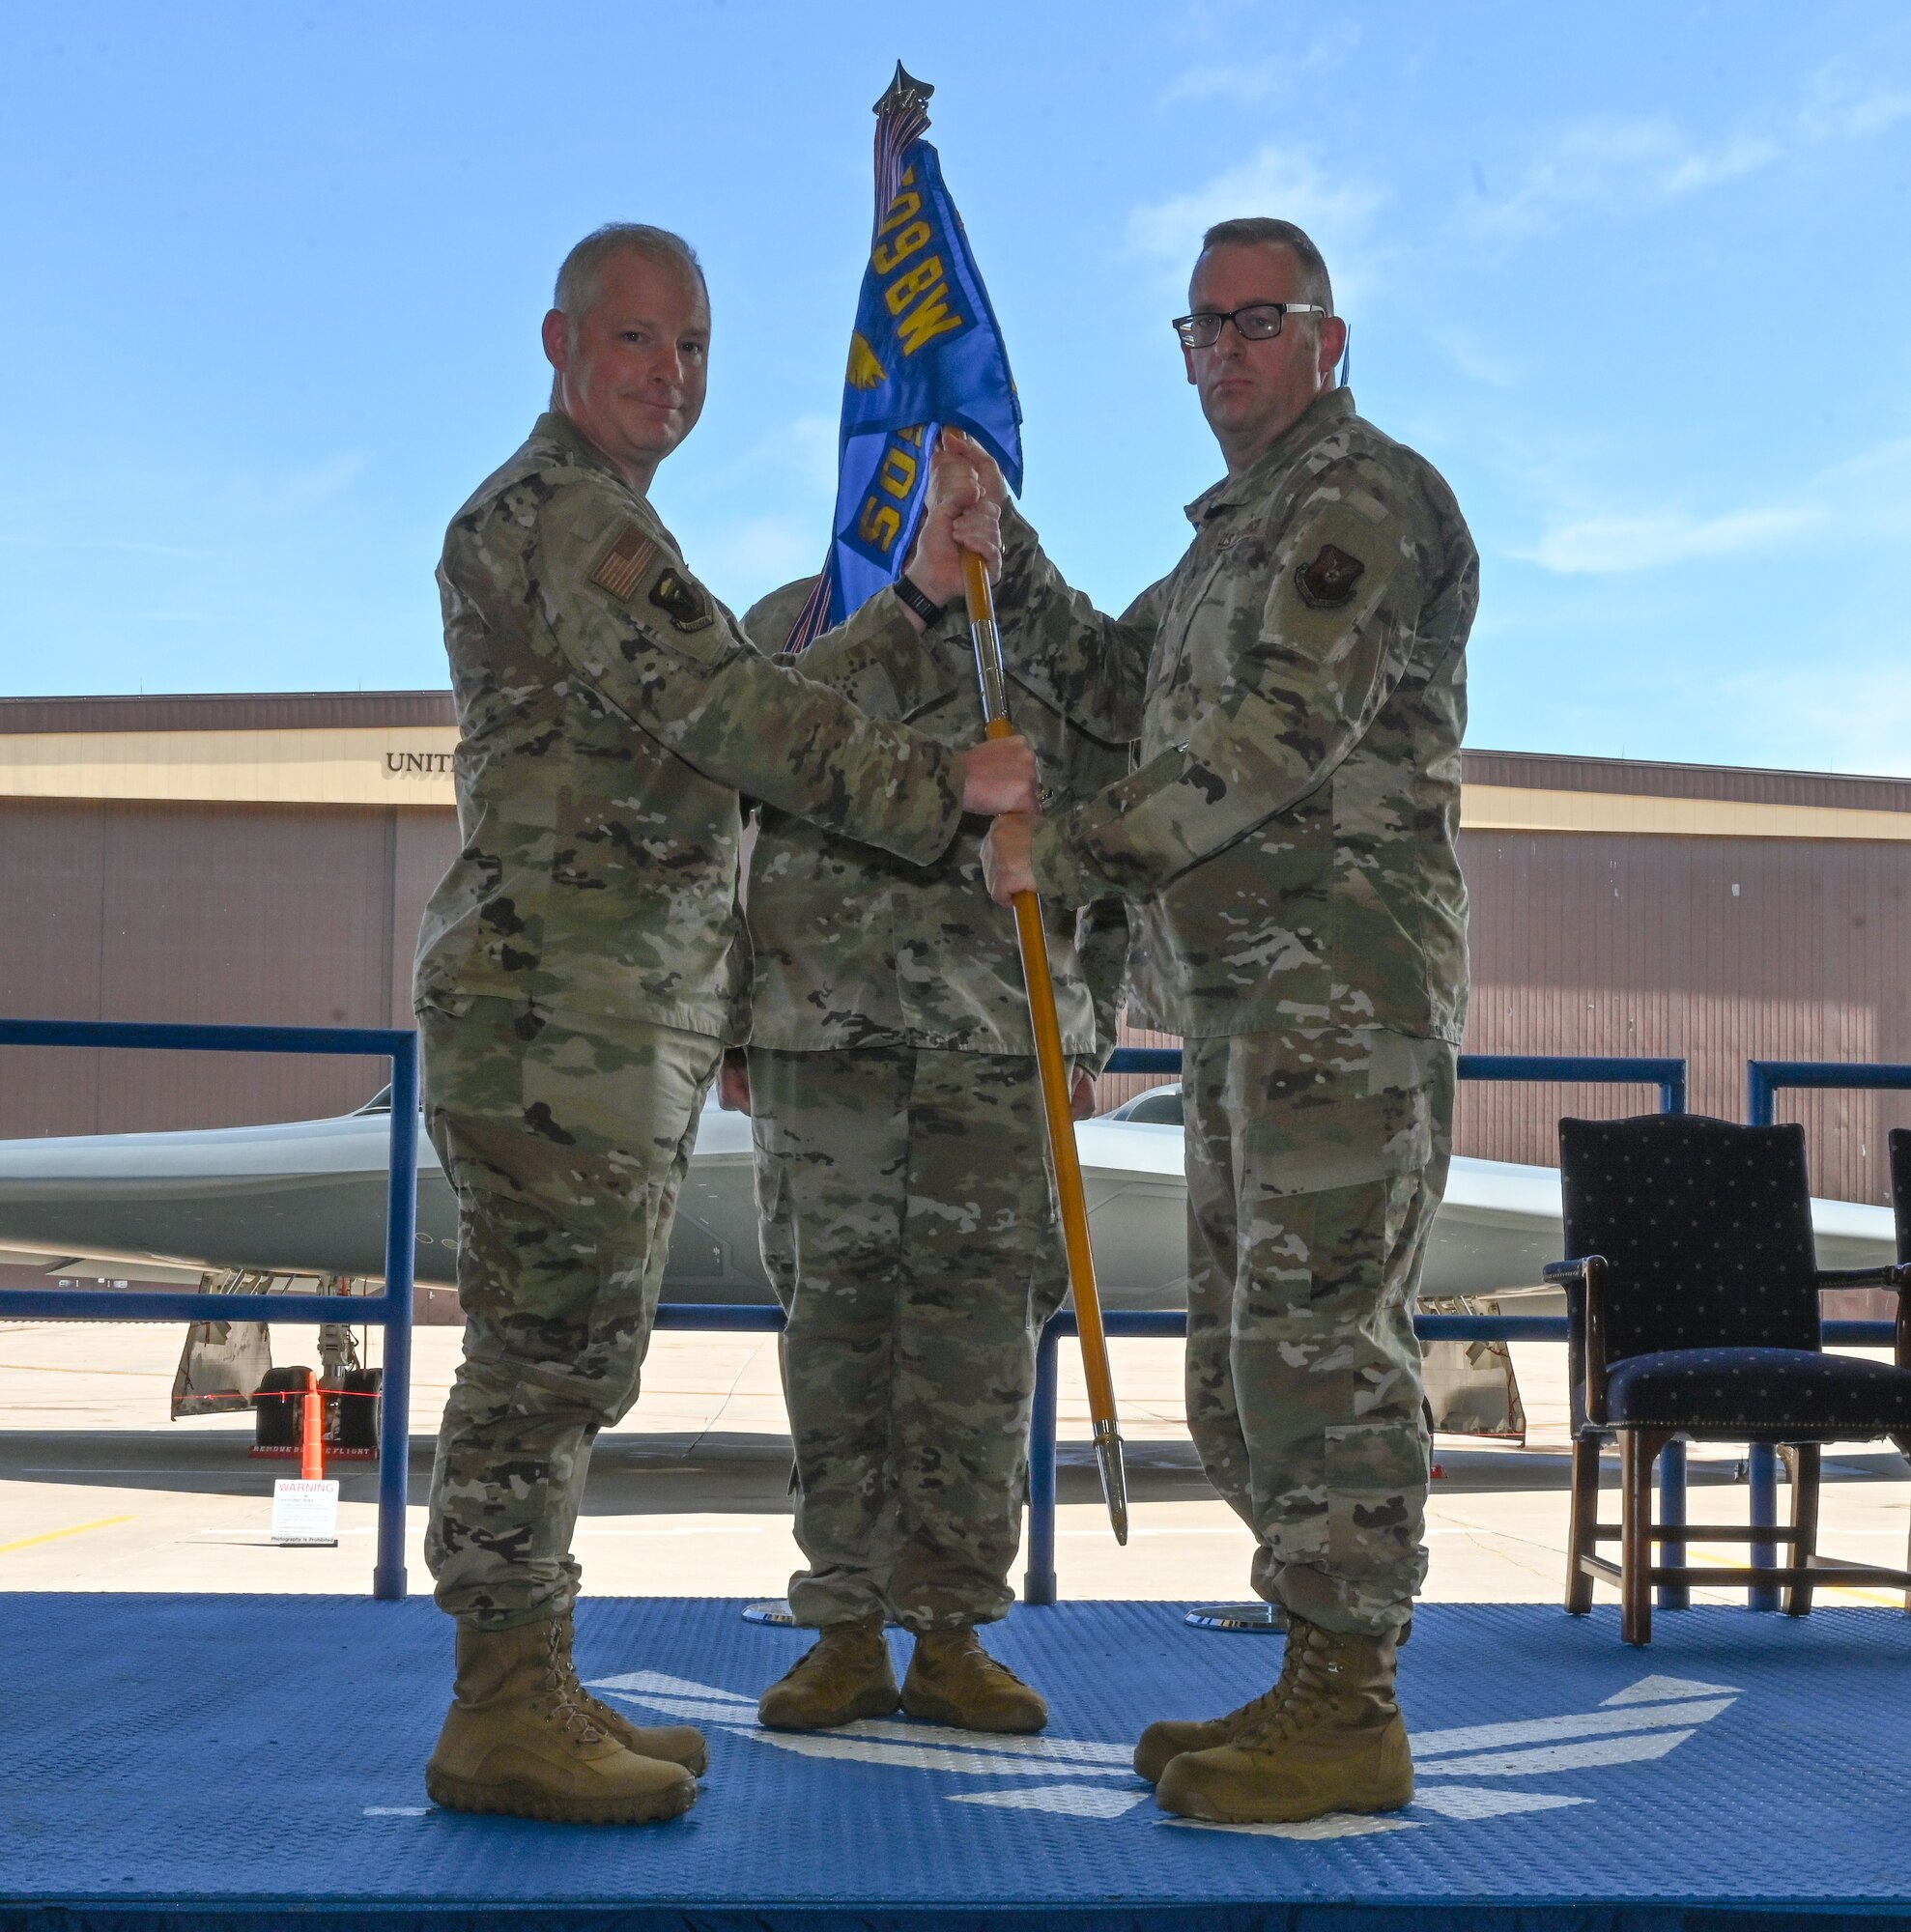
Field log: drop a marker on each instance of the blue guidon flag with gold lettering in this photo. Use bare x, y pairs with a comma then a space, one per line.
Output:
926, 352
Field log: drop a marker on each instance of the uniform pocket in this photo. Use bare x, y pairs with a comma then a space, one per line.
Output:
1316, 1146
1376, 1482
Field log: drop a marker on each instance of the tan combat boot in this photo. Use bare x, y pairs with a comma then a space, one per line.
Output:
674, 1744
1172, 1738
845, 1675
1334, 1742
517, 1740
1162, 1743
952, 1680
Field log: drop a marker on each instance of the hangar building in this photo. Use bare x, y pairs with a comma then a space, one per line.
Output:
267, 858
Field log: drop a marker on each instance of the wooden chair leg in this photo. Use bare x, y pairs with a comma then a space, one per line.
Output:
1804, 1460
1580, 1539
1638, 1450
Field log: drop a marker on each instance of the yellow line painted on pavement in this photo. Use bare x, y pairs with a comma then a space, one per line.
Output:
54, 1535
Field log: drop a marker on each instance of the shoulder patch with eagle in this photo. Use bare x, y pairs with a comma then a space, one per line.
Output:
1329, 581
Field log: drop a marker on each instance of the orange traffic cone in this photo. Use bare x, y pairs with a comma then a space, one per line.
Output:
312, 1450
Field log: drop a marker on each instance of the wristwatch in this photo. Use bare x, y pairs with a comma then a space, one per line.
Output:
912, 594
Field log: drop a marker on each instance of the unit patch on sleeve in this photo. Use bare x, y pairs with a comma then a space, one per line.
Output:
682, 601
1328, 581
621, 567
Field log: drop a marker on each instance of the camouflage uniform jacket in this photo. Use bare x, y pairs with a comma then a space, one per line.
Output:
610, 710
1297, 685
854, 947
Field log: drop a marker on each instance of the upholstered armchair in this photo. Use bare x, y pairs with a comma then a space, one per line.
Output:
1692, 1304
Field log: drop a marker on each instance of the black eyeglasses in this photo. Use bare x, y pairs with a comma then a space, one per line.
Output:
1258, 322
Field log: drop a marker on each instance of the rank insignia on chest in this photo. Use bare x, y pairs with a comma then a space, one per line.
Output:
621, 567
683, 602
1329, 580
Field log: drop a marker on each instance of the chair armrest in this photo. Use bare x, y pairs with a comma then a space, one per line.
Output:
1588, 1276
1895, 1277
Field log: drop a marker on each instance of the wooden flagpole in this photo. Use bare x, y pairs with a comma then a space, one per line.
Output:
1054, 1073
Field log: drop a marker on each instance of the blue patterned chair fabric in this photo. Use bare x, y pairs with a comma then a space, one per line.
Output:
1760, 1395
1708, 1299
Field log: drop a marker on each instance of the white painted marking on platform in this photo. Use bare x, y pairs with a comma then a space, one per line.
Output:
638, 1680
1065, 1750
907, 1757
1545, 1730
1558, 1757
1647, 1720
697, 1710
1466, 1800
397, 1810
1310, 1831
1064, 1801
678, 1698
1658, 1689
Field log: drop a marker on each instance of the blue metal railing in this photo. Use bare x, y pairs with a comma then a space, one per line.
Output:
1762, 1080
391, 1310
1668, 1075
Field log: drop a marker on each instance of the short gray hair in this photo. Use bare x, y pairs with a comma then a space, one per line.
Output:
580, 280
1263, 229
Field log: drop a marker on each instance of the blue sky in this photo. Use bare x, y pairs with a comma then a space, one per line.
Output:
1634, 277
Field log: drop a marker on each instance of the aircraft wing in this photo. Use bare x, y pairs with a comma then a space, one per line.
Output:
307, 1197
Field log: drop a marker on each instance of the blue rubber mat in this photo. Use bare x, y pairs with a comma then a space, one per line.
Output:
221, 1761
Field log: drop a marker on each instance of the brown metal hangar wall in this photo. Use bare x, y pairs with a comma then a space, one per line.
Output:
1766, 915
1716, 951
231, 909
267, 858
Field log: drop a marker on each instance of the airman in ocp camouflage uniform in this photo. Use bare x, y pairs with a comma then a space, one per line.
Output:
581, 968
909, 1221
1287, 843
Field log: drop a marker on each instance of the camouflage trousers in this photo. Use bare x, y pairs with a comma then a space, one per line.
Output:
566, 1144
910, 1232
1315, 1162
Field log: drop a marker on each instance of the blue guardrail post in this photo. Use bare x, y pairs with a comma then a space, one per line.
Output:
391, 1309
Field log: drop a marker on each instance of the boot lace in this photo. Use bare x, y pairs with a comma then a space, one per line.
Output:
565, 1694
1260, 1710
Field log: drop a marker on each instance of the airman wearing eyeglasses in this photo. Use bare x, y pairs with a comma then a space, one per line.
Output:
1295, 689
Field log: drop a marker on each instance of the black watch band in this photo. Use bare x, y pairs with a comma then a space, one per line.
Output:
912, 595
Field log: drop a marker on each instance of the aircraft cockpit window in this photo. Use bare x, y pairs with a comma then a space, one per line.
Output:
1159, 1107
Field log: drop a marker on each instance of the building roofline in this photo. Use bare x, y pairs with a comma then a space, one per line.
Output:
227, 711
1644, 778
1521, 771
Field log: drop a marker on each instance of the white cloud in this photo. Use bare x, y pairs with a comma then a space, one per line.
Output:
1477, 361
1601, 545
1842, 106
1249, 82
1848, 716
1866, 496
324, 481
1336, 211
1609, 162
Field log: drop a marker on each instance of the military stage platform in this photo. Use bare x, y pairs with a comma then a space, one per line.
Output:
229, 1762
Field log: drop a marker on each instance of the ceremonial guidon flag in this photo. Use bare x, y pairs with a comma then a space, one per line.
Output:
926, 354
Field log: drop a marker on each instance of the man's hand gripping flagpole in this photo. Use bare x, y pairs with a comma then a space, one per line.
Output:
1054, 1073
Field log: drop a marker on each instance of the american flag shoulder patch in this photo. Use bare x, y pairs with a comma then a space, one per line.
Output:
624, 564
